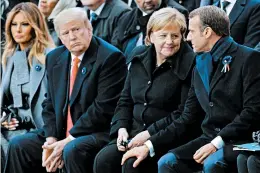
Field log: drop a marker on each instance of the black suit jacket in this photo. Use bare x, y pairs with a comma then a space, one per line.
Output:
232, 108
244, 22
107, 22
96, 90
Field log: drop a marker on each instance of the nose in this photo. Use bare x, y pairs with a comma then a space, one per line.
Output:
71, 35
169, 39
18, 28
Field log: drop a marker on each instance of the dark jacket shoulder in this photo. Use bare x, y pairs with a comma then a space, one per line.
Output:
183, 61
54, 54
118, 7
180, 8
104, 47
114, 8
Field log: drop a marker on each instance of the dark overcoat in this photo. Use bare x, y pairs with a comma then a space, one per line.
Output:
244, 21
231, 109
96, 90
108, 20
151, 93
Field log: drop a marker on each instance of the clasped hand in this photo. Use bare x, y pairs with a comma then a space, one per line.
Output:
52, 154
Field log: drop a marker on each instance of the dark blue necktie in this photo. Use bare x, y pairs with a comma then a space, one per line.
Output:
224, 5
93, 17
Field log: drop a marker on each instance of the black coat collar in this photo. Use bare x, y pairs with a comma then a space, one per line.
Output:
139, 21
181, 63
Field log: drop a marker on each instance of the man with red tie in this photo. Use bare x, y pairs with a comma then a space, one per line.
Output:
85, 79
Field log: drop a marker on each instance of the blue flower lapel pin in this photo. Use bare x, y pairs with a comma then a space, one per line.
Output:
226, 61
84, 70
38, 68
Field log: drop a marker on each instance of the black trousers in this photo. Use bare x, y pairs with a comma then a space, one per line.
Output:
108, 160
25, 153
248, 162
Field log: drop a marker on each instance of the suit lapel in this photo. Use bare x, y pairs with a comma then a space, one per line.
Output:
236, 11
85, 68
6, 79
36, 76
105, 11
148, 61
218, 74
61, 79
133, 27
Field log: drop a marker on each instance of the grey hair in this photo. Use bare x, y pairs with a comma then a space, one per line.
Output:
71, 14
213, 17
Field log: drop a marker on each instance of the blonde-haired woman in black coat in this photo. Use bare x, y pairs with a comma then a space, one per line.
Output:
157, 84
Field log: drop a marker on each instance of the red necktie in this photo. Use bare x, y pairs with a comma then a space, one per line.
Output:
73, 75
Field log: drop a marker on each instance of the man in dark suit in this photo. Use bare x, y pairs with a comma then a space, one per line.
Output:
244, 19
225, 92
85, 78
132, 27
104, 16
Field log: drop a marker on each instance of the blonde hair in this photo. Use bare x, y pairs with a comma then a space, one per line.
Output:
71, 14
41, 38
163, 17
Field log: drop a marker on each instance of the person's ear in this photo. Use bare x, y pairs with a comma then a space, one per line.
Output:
208, 32
89, 32
151, 38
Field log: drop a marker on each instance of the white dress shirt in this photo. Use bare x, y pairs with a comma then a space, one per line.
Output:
229, 7
98, 10
73, 57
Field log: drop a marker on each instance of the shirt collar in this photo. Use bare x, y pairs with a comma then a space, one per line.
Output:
79, 57
98, 10
231, 1
144, 14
